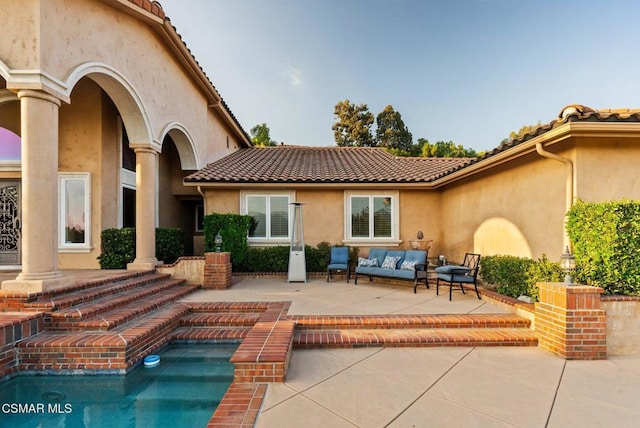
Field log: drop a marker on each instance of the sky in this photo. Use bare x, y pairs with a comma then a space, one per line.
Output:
459, 70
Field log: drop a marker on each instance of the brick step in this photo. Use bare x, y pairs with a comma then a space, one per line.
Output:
311, 339
74, 294
114, 318
234, 307
87, 295
229, 319
60, 319
210, 334
263, 356
352, 322
115, 351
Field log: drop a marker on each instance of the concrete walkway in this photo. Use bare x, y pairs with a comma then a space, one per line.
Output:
431, 387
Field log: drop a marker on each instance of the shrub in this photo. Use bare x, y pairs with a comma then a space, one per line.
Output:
268, 259
234, 229
119, 246
276, 259
542, 270
606, 245
318, 257
508, 273
169, 244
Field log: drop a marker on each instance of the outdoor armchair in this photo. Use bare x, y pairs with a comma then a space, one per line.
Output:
339, 261
466, 273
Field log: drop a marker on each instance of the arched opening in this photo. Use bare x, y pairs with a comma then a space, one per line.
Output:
10, 180
179, 206
9, 145
96, 131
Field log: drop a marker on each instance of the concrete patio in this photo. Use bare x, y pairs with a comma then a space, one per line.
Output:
420, 387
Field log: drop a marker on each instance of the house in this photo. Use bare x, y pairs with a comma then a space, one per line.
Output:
107, 120
111, 111
512, 200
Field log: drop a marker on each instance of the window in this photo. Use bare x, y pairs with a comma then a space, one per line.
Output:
272, 216
372, 217
75, 212
199, 218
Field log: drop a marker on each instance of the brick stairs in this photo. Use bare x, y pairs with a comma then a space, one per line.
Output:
219, 321
351, 331
110, 325
102, 326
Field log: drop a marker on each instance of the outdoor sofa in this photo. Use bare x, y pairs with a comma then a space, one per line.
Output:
410, 265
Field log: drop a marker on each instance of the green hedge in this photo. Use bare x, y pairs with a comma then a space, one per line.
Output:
276, 259
542, 270
234, 229
606, 245
507, 273
517, 276
119, 246
169, 244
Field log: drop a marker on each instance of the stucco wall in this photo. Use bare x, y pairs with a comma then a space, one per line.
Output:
324, 214
79, 150
10, 116
623, 324
607, 168
23, 50
517, 210
222, 201
110, 192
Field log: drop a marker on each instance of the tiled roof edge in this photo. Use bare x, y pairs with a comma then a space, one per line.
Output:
222, 101
570, 113
153, 7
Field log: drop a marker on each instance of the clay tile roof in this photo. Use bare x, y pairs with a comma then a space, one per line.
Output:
322, 165
570, 113
150, 6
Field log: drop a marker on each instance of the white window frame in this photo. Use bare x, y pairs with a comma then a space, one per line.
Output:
267, 241
395, 219
66, 247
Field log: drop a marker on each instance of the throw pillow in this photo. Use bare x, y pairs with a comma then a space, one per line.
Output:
367, 262
390, 262
407, 265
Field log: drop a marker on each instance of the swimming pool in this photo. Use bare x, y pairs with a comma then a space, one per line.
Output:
184, 390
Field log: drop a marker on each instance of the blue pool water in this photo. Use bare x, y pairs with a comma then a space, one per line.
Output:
183, 391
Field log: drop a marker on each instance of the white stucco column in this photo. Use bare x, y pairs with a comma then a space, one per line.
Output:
39, 129
146, 162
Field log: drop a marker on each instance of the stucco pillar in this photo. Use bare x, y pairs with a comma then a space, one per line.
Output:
146, 161
39, 128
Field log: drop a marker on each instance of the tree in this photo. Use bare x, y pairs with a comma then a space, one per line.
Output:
391, 132
446, 149
353, 125
260, 136
526, 129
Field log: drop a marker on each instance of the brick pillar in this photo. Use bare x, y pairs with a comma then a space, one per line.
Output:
217, 270
569, 321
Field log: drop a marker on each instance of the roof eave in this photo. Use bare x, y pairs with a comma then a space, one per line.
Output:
166, 31
135, 10
290, 185
551, 137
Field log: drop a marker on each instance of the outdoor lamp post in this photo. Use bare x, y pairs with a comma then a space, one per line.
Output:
568, 265
218, 242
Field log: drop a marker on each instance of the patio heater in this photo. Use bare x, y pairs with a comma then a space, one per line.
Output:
297, 263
